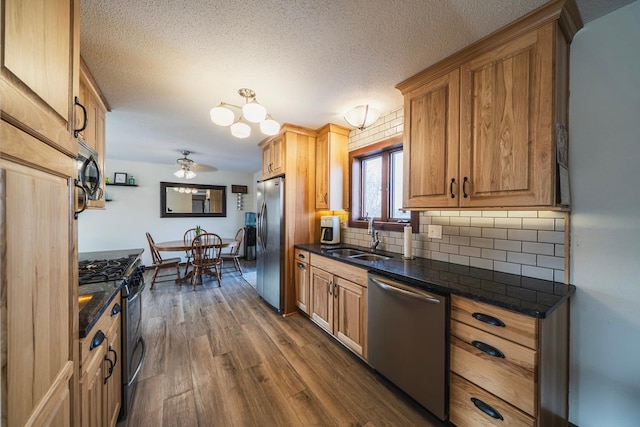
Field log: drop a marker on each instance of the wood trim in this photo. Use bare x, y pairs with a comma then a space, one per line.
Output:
539, 17
288, 127
53, 398
93, 85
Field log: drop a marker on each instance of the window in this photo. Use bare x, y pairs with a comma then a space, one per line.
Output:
377, 184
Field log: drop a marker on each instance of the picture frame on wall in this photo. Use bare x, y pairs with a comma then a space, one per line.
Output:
120, 178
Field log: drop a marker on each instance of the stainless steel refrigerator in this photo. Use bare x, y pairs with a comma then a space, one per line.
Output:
270, 236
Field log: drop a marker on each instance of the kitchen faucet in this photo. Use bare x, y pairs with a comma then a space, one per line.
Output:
375, 235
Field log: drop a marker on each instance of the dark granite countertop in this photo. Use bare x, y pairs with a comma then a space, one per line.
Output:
526, 295
102, 292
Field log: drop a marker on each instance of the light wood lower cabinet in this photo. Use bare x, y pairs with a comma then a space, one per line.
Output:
302, 280
507, 368
339, 302
100, 371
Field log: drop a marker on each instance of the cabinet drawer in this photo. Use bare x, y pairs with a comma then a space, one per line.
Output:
509, 372
301, 255
463, 412
498, 321
103, 324
341, 269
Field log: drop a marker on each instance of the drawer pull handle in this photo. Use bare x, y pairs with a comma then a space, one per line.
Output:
487, 409
116, 309
486, 348
493, 321
98, 338
301, 266
453, 181
301, 256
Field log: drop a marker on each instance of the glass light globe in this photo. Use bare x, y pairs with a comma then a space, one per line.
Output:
254, 112
240, 129
361, 117
269, 126
222, 116
190, 174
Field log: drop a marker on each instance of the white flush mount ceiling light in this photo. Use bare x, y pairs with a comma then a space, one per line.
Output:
361, 116
252, 111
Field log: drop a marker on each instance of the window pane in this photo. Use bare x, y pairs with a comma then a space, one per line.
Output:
396, 187
372, 187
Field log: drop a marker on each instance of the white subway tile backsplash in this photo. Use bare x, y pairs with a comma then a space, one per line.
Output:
538, 223
520, 258
459, 240
537, 272
508, 245
551, 236
559, 224
558, 276
458, 259
450, 249
551, 214
538, 248
450, 230
551, 262
439, 256
481, 263
482, 222
508, 222
469, 251
507, 267
494, 254
523, 235
494, 233
481, 243
460, 221
523, 214
559, 250
440, 220
470, 213
471, 231
495, 214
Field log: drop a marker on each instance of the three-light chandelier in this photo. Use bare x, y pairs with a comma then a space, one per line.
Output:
252, 112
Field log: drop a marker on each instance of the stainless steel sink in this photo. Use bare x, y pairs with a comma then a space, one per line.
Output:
345, 252
369, 257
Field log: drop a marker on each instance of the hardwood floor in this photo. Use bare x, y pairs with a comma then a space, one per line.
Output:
222, 357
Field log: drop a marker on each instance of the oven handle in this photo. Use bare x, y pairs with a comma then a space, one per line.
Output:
139, 367
391, 288
135, 296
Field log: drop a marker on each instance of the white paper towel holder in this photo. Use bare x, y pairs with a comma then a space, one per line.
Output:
404, 243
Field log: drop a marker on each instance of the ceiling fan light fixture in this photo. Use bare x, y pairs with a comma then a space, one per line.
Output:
185, 173
269, 126
221, 115
361, 116
240, 129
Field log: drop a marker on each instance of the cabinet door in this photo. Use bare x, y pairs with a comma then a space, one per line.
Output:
92, 389
351, 315
322, 171
506, 155
266, 161
322, 298
277, 156
303, 286
37, 282
39, 67
431, 144
113, 391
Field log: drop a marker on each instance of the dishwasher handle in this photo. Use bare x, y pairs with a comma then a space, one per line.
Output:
392, 288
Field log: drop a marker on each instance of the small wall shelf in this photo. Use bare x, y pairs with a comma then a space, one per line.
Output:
122, 185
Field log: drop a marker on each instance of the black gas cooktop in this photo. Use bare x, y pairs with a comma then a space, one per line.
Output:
103, 270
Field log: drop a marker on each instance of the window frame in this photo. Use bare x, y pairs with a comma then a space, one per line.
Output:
355, 185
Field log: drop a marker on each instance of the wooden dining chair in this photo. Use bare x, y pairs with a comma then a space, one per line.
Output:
234, 251
206, 250
189, 235
159, 263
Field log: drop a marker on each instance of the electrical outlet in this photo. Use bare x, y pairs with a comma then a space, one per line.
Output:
434, 231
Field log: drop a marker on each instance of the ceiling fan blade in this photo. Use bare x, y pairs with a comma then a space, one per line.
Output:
203, 168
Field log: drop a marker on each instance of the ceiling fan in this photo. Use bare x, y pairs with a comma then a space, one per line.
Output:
188, 166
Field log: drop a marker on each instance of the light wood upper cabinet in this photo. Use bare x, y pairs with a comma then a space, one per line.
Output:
94, 135
40, 69
332, 168
273, 158
481, 125
431, 143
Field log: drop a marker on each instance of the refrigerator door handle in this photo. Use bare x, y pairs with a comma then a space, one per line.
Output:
261, 224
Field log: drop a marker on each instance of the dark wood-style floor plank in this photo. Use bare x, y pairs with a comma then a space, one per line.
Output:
220, 356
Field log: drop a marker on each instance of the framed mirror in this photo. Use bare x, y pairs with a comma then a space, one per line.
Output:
192, 200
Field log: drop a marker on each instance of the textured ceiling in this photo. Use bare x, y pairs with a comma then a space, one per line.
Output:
163, 64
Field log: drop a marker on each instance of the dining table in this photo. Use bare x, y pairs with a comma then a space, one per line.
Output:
185, 245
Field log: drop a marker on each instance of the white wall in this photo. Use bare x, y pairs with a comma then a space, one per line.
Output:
136, 210
605, 221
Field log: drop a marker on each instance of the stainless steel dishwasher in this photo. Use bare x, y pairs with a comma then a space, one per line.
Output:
407, 337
